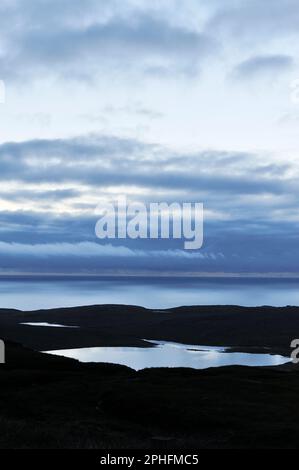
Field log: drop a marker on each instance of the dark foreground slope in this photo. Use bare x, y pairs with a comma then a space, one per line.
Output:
52, 402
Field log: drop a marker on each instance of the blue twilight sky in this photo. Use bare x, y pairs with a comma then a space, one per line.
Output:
167, 100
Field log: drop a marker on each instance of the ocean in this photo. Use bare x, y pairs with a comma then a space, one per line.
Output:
36, 292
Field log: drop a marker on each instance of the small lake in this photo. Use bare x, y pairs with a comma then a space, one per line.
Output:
167, 354
50, 325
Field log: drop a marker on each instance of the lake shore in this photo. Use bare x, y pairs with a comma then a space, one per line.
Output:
53, 402
50, 402
244, 329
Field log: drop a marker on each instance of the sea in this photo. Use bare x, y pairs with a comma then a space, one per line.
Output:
45, 292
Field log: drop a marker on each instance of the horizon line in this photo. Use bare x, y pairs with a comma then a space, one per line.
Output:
155, 274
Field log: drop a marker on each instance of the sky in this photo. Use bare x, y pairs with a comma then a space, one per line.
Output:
194, 101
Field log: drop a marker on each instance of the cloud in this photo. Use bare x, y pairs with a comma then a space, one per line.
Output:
232, 252
69, 41
85, 40
50, 189
260, 66
253, 21
88, 249
21, 195
50, 186
101, 162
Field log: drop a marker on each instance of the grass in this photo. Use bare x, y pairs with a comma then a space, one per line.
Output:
51, 402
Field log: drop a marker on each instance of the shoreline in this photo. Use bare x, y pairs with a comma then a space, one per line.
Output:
50, 401
243, 329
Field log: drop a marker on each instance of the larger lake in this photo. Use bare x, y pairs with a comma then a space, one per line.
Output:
28, 293
168, 354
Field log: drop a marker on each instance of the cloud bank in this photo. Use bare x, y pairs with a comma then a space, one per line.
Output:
50, 190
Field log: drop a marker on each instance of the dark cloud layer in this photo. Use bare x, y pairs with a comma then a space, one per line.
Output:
251, 206
103, 162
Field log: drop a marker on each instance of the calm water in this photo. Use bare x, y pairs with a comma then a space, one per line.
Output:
42, 292
167, 354
50, 325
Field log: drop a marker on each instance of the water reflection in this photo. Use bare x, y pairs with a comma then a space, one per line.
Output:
53, 325
167, 354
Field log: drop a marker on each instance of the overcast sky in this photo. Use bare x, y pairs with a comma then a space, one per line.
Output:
162, 101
